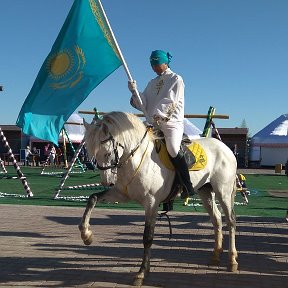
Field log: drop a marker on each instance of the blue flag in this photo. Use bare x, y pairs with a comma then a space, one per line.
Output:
83, 55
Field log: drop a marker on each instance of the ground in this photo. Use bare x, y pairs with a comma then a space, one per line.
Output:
41, 247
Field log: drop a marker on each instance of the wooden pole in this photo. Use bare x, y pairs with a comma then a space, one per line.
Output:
64, 150
74, 123
120, 53
216, 116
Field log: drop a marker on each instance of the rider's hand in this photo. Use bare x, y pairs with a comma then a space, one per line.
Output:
158, 118
132, 85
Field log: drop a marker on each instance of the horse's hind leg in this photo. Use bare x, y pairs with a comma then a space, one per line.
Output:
208, 200
231, 223
150, 220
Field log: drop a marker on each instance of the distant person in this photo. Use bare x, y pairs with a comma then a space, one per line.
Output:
36, 156
52, 154
28, 156
235, 151
59, 156
46, 151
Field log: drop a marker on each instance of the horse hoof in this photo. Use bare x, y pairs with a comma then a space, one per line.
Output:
89, 240
215, 258
214, 262
138, 282
233, 267
139, 278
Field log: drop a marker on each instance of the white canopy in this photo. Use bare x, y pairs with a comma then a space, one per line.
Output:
270, 145
191, 130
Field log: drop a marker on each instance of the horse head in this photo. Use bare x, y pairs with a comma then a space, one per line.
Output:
111, 137
101, 144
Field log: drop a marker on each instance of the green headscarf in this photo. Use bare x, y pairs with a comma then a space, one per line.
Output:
159, 57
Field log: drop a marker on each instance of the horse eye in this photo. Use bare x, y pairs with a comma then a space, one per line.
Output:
107, 155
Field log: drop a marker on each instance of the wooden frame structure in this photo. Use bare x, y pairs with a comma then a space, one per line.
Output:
21, 176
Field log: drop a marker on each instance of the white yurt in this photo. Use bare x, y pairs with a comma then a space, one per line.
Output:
74, 128
269, 146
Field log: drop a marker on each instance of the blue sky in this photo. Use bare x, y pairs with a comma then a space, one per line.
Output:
232, 55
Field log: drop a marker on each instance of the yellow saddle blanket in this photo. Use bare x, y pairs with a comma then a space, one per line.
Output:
195, 148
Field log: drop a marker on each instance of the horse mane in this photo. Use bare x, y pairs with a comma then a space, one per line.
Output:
125, 127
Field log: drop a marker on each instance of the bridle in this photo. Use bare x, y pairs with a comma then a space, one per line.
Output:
116, 162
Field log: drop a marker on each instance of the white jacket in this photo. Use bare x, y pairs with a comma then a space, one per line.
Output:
163, 97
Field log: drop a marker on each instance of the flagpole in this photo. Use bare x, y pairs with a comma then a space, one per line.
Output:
120, 53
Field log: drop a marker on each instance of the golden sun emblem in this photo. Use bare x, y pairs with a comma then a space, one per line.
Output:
60, 65
65, 68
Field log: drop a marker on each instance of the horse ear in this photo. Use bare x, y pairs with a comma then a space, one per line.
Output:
105, 129
86, 125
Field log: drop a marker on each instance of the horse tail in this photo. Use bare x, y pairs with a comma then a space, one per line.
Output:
233, 195
234, 189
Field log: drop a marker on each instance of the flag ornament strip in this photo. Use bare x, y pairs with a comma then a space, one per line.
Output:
103, 25
83, 55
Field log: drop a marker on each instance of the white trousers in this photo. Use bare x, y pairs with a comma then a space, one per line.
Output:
173, 132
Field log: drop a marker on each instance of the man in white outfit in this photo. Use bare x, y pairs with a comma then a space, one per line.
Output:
163, 105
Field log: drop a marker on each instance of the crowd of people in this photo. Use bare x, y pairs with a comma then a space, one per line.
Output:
34, 158
50, 154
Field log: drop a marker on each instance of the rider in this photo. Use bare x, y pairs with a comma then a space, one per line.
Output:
163, 105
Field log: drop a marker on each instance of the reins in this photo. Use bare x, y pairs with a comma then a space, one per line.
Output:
137, 169
117, 163
132, 152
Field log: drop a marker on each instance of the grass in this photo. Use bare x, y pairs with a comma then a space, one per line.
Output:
261, 203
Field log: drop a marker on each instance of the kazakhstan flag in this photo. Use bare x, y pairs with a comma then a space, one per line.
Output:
83, 55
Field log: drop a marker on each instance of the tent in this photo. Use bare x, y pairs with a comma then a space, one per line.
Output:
269, 146
75, 129
191, 130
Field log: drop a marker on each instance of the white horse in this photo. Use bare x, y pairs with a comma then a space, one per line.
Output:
143, 178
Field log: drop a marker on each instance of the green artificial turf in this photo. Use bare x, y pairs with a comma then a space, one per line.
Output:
261, 203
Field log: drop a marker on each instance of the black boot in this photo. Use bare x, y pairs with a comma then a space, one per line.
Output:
181, 167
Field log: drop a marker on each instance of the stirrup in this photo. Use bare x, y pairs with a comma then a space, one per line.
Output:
168, 206
185, 193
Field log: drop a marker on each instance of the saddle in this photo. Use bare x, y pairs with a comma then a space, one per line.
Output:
194, 154
195, 157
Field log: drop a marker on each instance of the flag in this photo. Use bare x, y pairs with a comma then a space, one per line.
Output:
82, 56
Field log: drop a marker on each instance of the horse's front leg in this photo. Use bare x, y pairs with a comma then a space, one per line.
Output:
150, 220
110, 195
84, 226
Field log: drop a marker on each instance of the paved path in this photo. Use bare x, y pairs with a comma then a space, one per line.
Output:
41, 247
